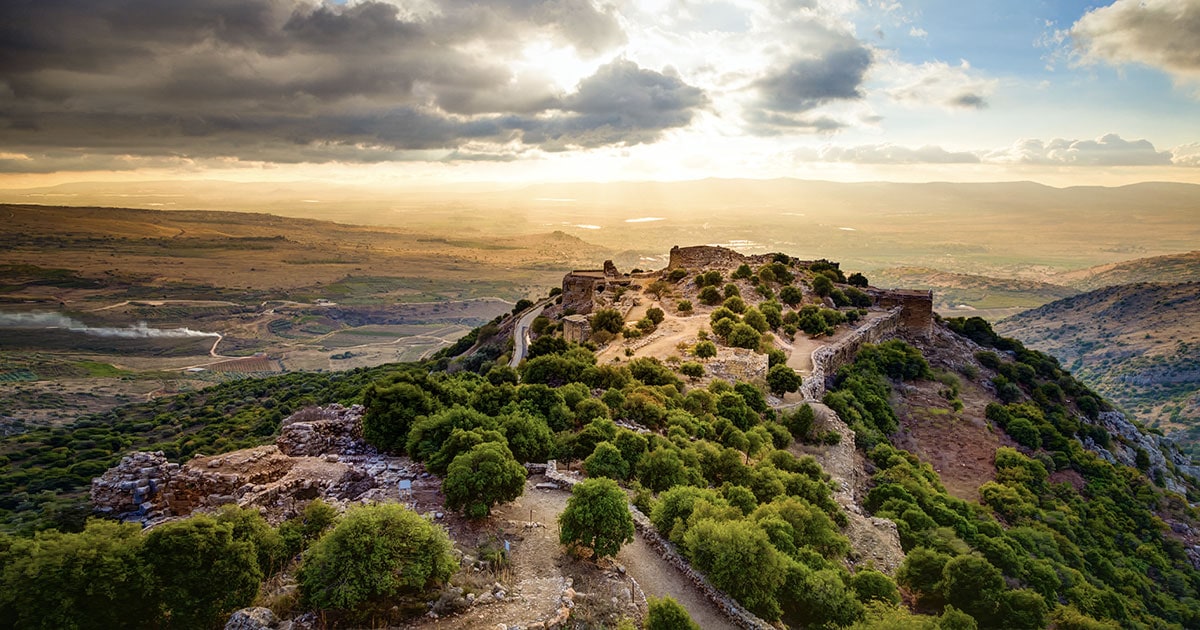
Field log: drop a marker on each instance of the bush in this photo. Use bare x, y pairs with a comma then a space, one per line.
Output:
735, 304
857, 280
376, 553
705, 350
609, 320
691, 369
482, 477
201, 572
782, 380
606, 461
822, 286
684, 306
738, 558
666, 613
790, 295
743, 336
710, 296
596, 518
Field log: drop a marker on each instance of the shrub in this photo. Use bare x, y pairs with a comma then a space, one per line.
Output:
822, 286
782, 380
710, 296
606, 461
735, 304
790, 295
596, 518
857, 280
743, 336
705, 350
609, 320
376, 553
684, 306
666, 613
691, 369
738, 558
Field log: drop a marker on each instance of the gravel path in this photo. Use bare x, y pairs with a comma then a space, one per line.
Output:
658, 579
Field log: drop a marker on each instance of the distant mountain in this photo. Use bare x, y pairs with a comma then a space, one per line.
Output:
1169, 268
1137, 344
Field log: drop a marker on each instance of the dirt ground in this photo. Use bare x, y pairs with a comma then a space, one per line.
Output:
961, 446
540, 570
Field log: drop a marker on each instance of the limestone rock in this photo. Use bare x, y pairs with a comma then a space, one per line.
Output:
257, 618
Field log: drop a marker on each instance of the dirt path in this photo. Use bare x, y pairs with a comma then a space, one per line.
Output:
658, 579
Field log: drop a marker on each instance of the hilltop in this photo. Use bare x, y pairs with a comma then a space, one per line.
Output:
1171, 268
798, 447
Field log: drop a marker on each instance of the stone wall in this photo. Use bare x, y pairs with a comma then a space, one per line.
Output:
827, 359
576, 328
916, 308
704, 256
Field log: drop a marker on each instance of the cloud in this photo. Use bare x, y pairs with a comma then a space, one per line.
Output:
938, 84
807, 83
892, 154
1157, 33
288, 81
1186, 154
1107, 150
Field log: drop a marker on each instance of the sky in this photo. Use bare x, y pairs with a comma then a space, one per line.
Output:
427, 92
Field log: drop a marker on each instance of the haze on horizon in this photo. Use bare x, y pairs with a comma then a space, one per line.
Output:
422, 93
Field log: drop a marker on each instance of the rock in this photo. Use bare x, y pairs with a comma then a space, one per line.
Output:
485, 599
256, 618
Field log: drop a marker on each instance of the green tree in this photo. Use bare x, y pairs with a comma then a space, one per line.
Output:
666, 613
738, 558
822, 285
596, 518
521, 305
691, 369
922, 572
606, 461
742, 272
743, 336
782, 380
482, 477
735, 303
390, 411
684, 306
755, 319
871, 585
374, 554
791, 295
91, 580
655, 315
201, 572
857, 280
971, 584
302, 530
705, 350
710, 296
609, 320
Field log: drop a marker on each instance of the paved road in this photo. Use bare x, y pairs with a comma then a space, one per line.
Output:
521, 333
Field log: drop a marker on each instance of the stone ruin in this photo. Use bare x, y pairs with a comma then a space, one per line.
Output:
916, 308
319, 453
580, 287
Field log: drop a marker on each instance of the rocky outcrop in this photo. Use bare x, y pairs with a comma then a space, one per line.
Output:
318, 454
1128, 440
257, 618
321, 430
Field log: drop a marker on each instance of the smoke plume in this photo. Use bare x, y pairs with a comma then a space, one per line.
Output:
62, 322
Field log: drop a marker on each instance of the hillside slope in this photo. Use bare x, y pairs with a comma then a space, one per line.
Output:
1136, 344
1171, 268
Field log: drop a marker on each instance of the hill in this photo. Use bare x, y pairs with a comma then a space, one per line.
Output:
969, 294
1137, 344
924, 473
1171, 268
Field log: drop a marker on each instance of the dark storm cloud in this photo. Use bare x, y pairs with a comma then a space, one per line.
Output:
808, 83
283, 81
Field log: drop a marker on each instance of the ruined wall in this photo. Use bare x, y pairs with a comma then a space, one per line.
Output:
827, 359
576, 328
702, 256
916, 307
579, 290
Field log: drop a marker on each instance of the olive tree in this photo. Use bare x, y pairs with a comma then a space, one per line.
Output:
596, 518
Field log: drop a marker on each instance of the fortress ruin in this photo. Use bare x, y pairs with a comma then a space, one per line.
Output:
579, 288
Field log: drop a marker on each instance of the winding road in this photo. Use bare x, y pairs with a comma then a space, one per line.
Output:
521, 332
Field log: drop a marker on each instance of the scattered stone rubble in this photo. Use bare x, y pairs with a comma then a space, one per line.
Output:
318, 453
